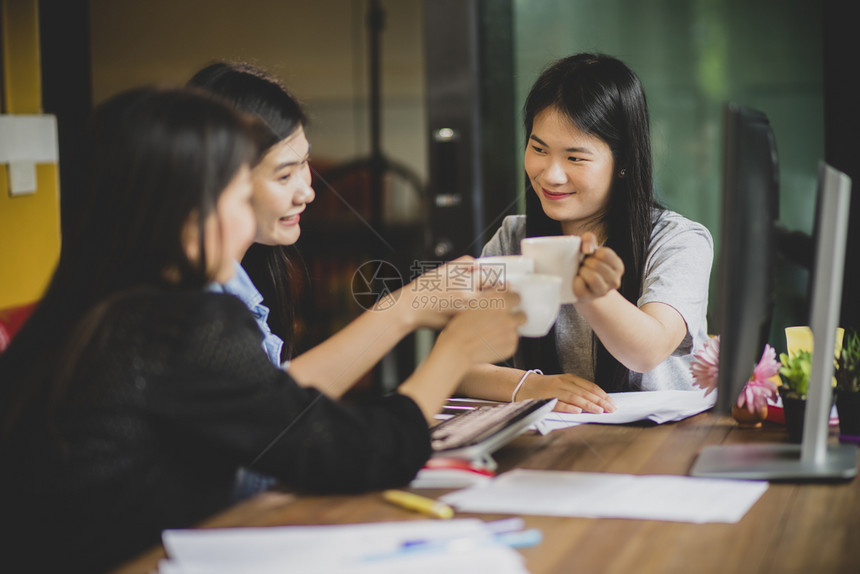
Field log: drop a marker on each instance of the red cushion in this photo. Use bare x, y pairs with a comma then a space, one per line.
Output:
11, 320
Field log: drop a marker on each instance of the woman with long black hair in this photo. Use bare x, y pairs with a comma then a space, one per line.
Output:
134, 393
642, 287
267, 276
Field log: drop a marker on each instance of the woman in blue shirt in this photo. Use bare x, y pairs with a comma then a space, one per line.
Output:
282, 191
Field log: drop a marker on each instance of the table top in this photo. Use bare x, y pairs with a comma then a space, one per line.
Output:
794, 527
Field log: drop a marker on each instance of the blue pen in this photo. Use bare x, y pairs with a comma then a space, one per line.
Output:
495, 527
521, 539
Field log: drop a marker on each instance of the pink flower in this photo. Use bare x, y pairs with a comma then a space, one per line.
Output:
760, 387
705, 369
706, 364
767, 366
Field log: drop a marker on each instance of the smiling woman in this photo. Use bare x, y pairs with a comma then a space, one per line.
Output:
268, 277
281, 193
642, 288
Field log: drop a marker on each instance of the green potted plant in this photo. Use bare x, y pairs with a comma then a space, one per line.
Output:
795, 384
848, 388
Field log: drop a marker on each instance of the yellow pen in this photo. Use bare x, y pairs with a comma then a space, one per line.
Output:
418, 503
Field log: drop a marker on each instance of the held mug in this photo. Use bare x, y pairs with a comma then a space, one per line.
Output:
539, 300
558, 255
494, 271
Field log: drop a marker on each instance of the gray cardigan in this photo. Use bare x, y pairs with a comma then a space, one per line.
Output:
677, 272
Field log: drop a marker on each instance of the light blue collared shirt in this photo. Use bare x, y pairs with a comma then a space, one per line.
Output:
242, 287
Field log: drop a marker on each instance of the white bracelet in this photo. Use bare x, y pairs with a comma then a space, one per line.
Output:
520, 384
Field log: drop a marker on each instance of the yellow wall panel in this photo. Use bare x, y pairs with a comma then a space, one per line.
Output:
29, 237
29, 224
21, 65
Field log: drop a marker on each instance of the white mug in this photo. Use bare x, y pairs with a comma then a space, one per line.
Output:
539, 300
557, 255
495, 270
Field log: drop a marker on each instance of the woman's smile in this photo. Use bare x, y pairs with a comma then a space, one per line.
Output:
555, 195
290, 219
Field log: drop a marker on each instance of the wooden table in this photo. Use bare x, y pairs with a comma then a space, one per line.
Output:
810, 528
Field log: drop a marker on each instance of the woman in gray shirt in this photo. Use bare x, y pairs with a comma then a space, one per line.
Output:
642, 288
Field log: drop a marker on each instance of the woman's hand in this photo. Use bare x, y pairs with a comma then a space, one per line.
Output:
435, 296
485, 334
574, 394
488, 332
600, 271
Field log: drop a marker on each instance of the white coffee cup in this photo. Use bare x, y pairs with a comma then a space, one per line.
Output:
539, 300
557, 255
496, 269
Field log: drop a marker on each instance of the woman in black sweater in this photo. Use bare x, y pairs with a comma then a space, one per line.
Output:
133, 394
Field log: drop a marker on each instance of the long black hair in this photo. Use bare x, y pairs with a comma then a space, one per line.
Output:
604, 98
276, 270
157, 160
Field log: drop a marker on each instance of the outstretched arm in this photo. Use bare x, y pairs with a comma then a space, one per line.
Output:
471, 338
337, 363
574, 394
639, 338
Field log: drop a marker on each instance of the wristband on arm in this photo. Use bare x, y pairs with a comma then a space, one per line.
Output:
523, 380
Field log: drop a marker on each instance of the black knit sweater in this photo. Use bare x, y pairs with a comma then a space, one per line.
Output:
172, 396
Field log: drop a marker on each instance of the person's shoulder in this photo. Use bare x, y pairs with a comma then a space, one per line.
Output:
513, 228
670, 224
196, 326
506, 240
514, 224
180, 307
217, 308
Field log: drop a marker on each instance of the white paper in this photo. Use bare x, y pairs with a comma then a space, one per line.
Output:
657, 406
353, 549
603, 495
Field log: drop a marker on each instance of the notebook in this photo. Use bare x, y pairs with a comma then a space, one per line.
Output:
476, 433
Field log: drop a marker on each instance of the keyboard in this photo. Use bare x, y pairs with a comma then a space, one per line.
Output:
477, 433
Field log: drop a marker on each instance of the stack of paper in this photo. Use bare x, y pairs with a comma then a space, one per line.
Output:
657, 406
429, 546
448, 478
603, 495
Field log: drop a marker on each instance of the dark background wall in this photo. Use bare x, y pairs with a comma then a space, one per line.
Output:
67, 58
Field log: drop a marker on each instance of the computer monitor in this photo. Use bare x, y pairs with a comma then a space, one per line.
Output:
748, 246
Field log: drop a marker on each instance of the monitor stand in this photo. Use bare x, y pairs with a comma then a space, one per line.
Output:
775, 462
813, 458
